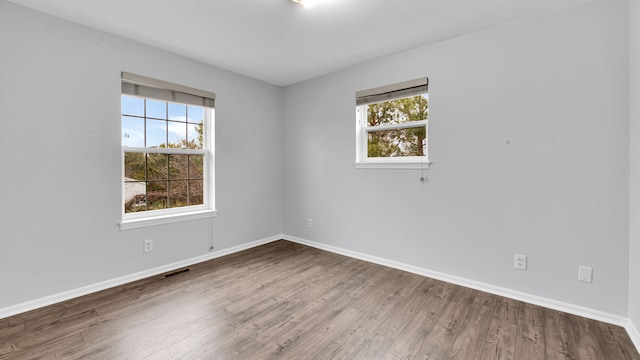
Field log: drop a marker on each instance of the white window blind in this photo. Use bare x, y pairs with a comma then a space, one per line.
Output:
393, 91
141, 86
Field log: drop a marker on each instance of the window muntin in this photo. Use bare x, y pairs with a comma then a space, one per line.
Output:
391, 124
166, 148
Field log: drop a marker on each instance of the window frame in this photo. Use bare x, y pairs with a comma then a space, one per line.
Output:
387, 93
139, 219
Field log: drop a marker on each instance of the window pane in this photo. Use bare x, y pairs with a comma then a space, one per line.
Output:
157, 109
156, 133
132, 131
157, 167
132, 106
177, 112
393, 143
178, 167
156, 195
196, 166
178, 193
196, 114
196, 192
134, 166
177, 134
195, 136
398, 111
134, 196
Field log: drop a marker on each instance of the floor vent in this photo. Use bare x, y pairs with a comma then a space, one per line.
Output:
177, 272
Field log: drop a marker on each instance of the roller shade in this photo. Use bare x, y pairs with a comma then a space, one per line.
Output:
141, 86
392, 92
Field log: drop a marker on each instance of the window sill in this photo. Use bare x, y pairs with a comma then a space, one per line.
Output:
165, 219
393, 165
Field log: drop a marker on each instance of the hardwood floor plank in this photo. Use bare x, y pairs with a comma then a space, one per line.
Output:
410, 340
346, 343
560, 344
268, 313
408, 302
530, 332
236, 350
383, 299
334, 298
46, 336
147, 335
322, 335
502, 348
277, 285
288, 301
588, 345
474, 328
10, 332
206, 339
378, 290
439, 342
347, 272
501, 335
616, 342
372, 348
305, 337
51, 350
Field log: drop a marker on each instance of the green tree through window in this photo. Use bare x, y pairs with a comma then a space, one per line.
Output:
397, 142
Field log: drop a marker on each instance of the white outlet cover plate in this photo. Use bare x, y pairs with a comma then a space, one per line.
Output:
585, 274
147, 246
520, 262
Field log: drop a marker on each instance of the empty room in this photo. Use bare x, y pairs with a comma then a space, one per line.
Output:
328, 179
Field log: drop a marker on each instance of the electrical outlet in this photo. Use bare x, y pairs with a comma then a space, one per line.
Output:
147, 245
520, 262
309, 223
585, 274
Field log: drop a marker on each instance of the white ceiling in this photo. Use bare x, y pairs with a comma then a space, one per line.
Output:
281, 43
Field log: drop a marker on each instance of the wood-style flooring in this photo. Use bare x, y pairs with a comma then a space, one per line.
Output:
288, 301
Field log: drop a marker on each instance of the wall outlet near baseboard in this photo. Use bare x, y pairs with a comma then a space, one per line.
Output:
309, 223
520, 262
147, 245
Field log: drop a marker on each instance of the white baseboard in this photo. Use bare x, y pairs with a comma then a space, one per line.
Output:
477, 285
85, 290
634, 334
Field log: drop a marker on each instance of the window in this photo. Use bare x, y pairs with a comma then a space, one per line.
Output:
391, 126
166, 152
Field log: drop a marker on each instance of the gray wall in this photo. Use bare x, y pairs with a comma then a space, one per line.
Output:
634, 258
529, 141
60, 158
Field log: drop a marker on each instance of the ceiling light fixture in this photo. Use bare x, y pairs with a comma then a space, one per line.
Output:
305, 3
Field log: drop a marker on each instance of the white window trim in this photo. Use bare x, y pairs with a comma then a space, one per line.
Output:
185, 213
400, 162
166, 219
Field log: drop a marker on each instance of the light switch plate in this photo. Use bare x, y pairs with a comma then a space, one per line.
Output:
585, 274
